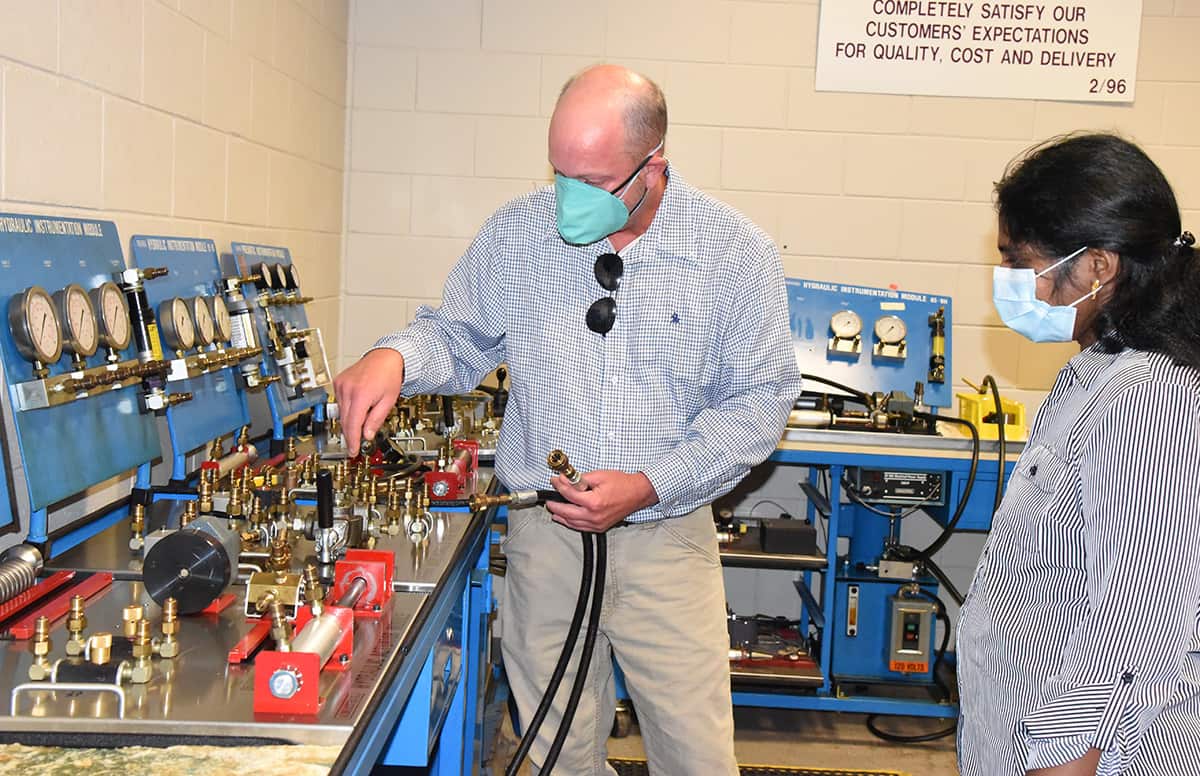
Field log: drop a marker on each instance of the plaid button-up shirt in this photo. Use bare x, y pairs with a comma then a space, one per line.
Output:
693, 384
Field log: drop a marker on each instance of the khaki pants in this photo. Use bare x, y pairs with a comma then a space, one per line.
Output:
663, 618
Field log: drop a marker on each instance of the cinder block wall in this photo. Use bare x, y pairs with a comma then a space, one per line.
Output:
208, 118
450, 101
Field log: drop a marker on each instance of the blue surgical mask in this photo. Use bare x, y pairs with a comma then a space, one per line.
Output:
1014, 292
587, 214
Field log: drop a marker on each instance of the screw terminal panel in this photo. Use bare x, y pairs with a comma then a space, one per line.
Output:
67, 448
875, 363
245, 260
218, 406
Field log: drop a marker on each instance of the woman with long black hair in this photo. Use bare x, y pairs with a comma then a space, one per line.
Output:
1079, 642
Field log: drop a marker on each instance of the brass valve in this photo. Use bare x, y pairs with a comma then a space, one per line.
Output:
130, 616
40, 647
137, 527
76, 624
100, 648
169, 647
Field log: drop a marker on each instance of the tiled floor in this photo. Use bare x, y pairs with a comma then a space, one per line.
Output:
773, 737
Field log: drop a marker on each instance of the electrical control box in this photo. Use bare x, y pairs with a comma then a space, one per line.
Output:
912, 635
901, 488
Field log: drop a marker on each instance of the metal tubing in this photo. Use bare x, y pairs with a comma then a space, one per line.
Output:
320, 636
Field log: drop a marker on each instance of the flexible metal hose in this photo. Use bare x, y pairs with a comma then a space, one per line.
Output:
19, 567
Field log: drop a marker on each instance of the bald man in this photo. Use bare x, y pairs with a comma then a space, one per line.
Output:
645, 329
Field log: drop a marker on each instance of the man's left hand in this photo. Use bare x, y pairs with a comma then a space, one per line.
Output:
611, 497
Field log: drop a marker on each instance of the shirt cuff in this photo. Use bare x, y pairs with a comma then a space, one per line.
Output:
1090, 716
671, 476
411, 352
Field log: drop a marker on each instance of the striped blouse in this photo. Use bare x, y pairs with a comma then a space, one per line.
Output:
1081, 628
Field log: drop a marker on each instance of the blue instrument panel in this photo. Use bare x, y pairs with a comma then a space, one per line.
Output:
271, 321
871, 339
66, 448
218, 406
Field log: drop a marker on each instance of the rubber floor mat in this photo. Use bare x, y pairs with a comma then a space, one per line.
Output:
638, 768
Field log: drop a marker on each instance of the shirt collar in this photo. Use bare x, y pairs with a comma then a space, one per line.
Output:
1091, 363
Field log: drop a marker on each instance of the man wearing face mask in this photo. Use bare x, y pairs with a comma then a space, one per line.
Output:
1079, 641
645, 329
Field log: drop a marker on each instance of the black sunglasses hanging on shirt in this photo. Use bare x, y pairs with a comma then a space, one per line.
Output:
603, 313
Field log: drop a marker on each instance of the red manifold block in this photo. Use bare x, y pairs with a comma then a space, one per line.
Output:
376, 568
453, 482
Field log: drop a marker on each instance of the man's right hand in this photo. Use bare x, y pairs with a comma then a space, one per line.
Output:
366, 393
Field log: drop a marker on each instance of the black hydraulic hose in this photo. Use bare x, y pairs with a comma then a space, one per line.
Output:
990, 382
585, 656
859, 395
560, 668
948, 531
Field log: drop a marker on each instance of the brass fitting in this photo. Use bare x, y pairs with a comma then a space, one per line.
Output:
281, 629
290, 449
190, 513
243, 440
150, 273
234, 508
206, 496
137, 527
143, 649
313, 590
169, 647
178, 398
256, 510
280, 558
130, 617
40, 647
100, 648
76, 624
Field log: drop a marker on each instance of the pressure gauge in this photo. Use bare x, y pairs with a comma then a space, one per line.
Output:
267, 274
891, 329
113, 311
845, 324
206, 330
293, 279
34, 324
281, 277
221, 320
176, 324
78, 317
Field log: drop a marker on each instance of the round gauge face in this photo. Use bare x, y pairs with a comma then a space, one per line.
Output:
221, 320
845, 324
176, 324
80, 332
267, 273
281, 276
891, 330
206, 329
293, 278
113, 312
35, 327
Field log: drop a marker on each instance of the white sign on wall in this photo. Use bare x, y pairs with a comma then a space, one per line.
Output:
1084, 50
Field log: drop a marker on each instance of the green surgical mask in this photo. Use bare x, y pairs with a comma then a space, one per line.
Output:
586, 213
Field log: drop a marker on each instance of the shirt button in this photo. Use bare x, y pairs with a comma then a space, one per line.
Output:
612, 435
